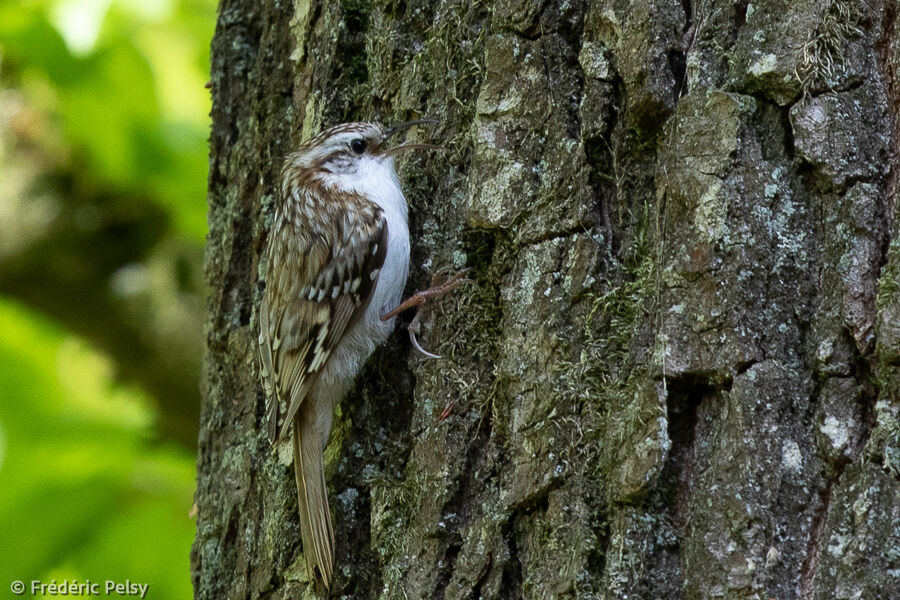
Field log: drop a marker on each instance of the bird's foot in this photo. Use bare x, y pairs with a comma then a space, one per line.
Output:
419, 299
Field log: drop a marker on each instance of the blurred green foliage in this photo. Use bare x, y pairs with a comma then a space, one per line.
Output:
87, 493
127, 89
89, 490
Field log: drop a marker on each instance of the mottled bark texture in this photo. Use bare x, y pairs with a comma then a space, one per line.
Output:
677, 375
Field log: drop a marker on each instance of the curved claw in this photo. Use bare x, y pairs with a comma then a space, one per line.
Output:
415, 343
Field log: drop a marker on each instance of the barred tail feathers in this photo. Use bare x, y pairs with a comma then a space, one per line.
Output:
312, 497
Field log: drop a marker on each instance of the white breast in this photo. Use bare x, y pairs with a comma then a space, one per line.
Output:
376, 179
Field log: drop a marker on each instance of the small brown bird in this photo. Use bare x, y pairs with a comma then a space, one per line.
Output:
338, 259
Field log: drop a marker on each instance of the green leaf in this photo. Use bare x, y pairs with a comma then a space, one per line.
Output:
86, 492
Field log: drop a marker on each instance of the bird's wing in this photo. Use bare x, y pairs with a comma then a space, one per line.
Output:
319, 283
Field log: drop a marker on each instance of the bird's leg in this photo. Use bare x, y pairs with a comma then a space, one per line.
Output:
423, 296
419, 299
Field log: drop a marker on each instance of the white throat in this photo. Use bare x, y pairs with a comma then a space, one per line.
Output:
376, 180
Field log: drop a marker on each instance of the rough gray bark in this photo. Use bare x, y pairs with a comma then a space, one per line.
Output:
678, 375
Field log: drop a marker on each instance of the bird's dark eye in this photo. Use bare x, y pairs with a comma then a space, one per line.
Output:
358, 145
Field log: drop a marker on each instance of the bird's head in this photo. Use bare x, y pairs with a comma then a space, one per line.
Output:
347, 149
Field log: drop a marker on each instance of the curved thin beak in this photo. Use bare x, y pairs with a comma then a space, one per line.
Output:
401, 128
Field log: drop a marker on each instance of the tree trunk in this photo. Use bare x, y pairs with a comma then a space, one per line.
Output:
677, 373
